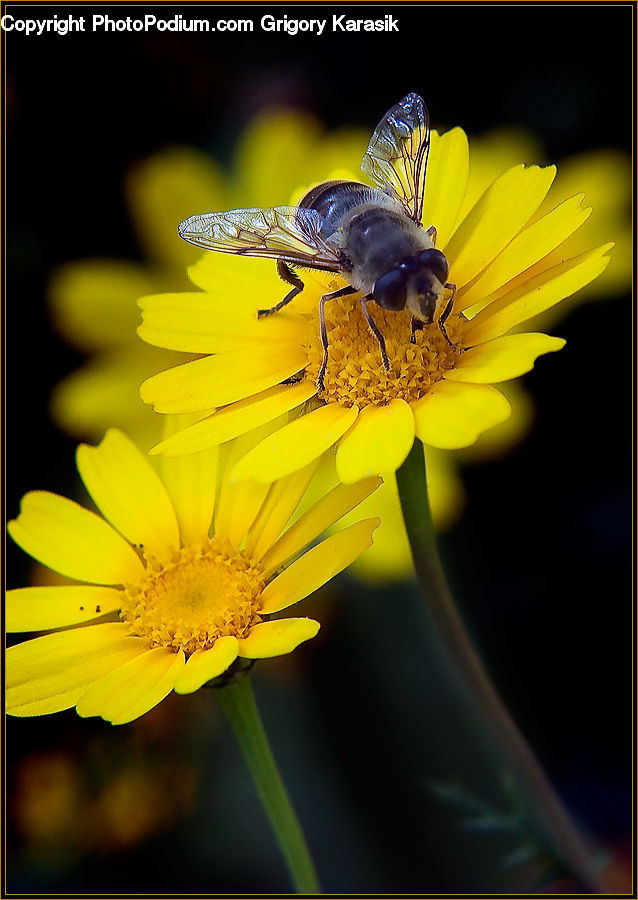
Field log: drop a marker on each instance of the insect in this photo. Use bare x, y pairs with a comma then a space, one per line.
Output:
372, 236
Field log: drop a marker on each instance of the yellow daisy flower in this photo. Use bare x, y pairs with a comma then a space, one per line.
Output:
161, 601
509, 263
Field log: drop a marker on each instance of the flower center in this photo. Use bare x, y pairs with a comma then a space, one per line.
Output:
206, 592
355, 374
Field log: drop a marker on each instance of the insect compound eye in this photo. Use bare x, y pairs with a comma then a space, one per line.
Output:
436, 263
389, 290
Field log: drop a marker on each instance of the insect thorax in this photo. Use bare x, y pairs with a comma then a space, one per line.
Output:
377, 239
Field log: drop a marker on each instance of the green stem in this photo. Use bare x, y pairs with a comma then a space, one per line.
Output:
543, 800
238, 701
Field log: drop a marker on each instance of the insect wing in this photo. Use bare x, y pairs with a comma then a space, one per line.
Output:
397, 155
283, 232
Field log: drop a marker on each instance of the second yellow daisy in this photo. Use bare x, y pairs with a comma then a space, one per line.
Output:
162, 599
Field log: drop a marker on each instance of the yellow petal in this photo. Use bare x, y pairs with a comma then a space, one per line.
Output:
296, 444
69, 539
129, 493
204, 665
249, 281
317, 566
238, 508
329, 509
276, 638
453, 414
282, 500
236, 419
494, 153
499, 215
42, 608
221, 379
134, 688
191, 482
238, 504
503, 358
254, 284
50, 673
536, 295
448, 166
389, 558
379, 441
527, 248
198, 323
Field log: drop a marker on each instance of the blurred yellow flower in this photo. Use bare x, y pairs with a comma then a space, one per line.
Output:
604, 175
165, 601
48, 796
93, 302
68, 802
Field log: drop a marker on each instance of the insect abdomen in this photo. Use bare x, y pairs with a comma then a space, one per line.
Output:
333, 200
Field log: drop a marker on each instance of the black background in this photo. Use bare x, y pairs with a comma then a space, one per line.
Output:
541, 561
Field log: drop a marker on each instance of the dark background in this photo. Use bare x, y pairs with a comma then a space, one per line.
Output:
541, 562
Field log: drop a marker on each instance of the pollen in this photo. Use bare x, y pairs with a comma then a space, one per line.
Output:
356, 375
203, 594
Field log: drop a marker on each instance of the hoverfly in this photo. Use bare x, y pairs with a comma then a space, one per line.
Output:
372, 236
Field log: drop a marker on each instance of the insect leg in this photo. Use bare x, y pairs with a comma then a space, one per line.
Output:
446, 313
375, 331
342, 292
416, 325
290, 277
431, 233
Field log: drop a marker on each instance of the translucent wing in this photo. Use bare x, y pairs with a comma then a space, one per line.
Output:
283, 232
397, 155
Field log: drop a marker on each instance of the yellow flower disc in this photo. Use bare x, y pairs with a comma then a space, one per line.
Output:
355, 375
203, 594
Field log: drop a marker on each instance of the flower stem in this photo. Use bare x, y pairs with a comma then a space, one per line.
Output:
516, 753
238, 701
